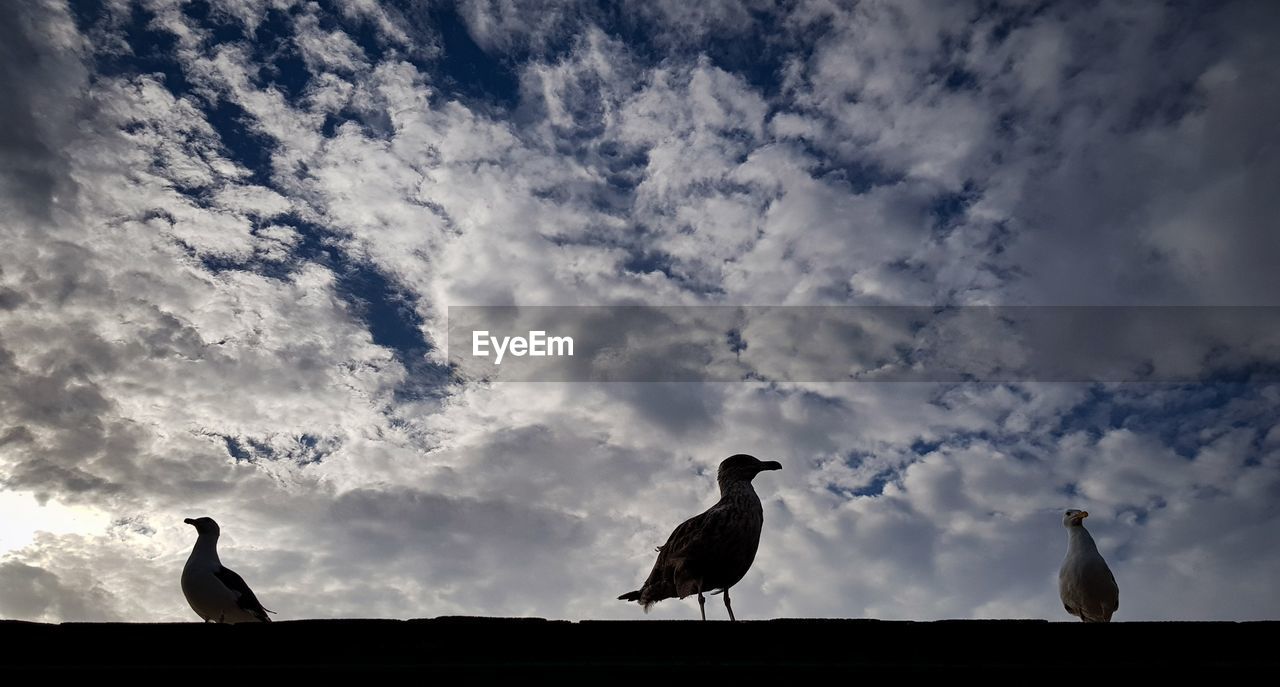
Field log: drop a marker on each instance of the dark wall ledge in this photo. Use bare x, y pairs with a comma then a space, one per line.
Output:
528, 646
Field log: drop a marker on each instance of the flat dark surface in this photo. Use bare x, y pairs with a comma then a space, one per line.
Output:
638, 648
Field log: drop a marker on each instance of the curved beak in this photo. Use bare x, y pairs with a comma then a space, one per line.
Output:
770, 465
1082, 515
189, 521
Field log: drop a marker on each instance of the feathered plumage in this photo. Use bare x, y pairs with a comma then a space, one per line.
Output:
712, 551
1085, 583
215, 592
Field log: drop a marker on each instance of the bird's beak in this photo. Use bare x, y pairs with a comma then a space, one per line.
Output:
189, 521
770, 465
1082, 515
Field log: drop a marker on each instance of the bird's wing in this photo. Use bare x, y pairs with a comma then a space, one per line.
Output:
684, 539
1091, 589
671, 571
1108, 590
700, 539
246, 599
1097, 576
702, 536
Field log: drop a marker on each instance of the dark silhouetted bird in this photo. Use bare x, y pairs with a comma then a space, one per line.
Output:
216, 593
1085, 583
711, 552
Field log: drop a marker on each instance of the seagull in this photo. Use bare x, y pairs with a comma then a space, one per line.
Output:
712, 551
1085, 583
215, 593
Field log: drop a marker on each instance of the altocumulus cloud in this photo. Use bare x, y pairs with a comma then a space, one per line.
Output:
231, 231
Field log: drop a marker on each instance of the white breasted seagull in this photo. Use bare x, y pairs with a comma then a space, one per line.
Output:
217, 593
1085, 583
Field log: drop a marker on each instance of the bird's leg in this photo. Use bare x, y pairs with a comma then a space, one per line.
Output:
727, 605
702, 602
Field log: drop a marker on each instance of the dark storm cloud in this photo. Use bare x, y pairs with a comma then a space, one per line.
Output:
30, 592
437, 537
42, 88
1161, 177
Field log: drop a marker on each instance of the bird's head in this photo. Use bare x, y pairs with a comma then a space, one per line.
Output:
1074, 517
743, 468
204, 525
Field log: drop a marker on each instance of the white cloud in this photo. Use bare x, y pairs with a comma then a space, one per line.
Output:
135, 373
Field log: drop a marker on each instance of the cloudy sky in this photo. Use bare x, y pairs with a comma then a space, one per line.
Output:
230, 233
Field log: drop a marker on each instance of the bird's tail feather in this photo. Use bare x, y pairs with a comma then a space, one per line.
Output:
636, 596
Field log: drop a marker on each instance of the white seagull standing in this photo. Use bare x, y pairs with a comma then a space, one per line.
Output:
1085, 583
216, 593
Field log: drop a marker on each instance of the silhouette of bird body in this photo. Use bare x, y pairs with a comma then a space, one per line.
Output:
711, 552
1085, 584
217, 593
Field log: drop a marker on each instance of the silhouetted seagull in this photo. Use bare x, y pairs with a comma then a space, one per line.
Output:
1085, 583
216, 593
714, 550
